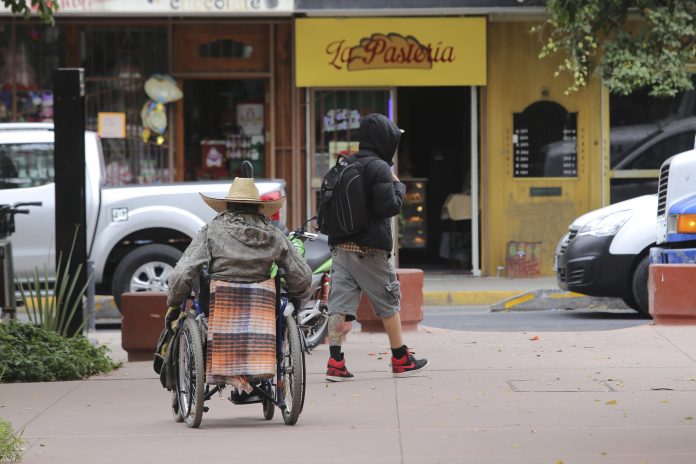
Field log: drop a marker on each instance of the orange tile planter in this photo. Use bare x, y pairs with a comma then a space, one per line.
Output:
142, 320
672, 294
411, 281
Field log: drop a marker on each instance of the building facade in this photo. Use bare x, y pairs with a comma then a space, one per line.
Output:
497, 159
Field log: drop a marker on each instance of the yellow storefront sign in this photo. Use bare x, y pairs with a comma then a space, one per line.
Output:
370, 52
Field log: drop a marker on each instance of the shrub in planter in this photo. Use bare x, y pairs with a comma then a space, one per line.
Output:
53, 307
29, 353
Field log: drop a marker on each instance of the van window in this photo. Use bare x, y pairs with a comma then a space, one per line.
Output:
26, 165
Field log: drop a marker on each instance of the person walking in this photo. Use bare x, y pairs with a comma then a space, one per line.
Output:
361, 261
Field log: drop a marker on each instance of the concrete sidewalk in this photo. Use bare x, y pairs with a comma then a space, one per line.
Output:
624, 396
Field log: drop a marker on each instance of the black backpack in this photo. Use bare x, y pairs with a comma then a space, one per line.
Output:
342, 207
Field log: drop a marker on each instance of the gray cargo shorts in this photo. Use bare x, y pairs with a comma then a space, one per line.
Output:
371, 273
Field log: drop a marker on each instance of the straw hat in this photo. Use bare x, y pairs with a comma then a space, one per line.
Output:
243, 190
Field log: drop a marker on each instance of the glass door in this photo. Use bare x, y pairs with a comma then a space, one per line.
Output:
224, 125
335, 120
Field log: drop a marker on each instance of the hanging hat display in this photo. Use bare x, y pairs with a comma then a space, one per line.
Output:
162, 89
154, 119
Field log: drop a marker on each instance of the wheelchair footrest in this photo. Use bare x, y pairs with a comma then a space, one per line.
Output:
244, 397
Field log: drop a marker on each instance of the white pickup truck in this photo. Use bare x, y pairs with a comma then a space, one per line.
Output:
135, 234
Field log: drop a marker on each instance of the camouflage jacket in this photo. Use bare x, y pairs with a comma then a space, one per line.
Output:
239, 247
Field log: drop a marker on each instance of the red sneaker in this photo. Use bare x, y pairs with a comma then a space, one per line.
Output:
336, 371
406, 366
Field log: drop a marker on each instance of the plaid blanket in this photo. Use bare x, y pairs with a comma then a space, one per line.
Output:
241, 333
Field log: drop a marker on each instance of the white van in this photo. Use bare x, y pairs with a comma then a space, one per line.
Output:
606, 252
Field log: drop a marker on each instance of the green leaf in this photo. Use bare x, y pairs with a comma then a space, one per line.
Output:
601, 38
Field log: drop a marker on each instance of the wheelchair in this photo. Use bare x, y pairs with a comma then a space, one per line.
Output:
286, 390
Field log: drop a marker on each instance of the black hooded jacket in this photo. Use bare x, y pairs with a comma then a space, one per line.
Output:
379, 138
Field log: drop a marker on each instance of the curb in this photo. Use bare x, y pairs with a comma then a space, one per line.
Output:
507, 300
538, 300
473, 297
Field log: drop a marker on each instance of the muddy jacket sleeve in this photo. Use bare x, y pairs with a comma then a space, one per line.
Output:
188, 268
387, 194
298, 275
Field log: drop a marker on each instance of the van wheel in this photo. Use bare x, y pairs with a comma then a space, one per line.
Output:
639, 286
630, 301
145, 269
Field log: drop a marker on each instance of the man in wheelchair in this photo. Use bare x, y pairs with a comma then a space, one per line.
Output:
239, 246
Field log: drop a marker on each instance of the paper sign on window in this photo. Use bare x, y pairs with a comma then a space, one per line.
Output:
112, 125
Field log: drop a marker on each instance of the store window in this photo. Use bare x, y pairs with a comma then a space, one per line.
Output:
225, 124
219, 47
337, 116
28, 55
118, 61
644, 132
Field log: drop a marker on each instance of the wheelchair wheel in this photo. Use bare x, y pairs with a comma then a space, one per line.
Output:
292, 370
190, 381
268, 409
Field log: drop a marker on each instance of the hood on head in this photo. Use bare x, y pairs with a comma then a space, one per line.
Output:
380, 135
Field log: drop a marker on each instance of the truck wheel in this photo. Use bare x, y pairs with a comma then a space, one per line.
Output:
639, 285
145, 269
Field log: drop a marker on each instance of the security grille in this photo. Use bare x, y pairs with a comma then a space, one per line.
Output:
662, 189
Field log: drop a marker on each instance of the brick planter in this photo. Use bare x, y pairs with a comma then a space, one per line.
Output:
672, 294
411, 281
142, 320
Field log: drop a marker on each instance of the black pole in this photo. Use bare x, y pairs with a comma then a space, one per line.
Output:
69, 166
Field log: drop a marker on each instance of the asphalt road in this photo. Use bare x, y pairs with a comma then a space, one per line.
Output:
481, 319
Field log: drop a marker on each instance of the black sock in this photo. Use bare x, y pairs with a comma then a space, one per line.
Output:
335, 351
400, 352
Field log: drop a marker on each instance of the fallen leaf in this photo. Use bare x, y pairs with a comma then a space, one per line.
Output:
535, 338
372, 354
612, 402
688, 418
664, 401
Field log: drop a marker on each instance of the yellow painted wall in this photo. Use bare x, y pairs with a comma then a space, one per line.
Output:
516, 79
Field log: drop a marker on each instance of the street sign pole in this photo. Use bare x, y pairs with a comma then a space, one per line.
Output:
69, 172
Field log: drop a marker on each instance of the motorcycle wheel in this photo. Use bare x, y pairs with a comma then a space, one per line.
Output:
315, 330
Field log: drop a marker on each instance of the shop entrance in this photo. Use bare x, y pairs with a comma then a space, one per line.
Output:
224, 123
435, 164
